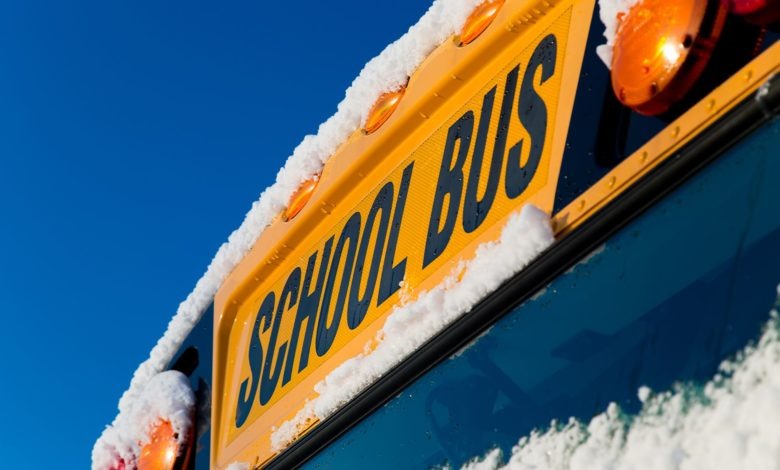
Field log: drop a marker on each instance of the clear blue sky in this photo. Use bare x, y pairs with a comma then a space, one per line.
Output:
134, 136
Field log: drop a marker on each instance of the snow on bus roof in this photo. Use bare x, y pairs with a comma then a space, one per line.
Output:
386, 72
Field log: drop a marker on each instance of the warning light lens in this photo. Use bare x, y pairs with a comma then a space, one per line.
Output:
382, 109
659, 52
162, 449
299, 200
479, 20
748, 7
764, 12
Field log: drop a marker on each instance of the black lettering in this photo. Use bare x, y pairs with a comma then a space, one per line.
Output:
326, 332
290, 291
474, 210
255, 358
392, 276
358, 306
307, 311
532, 112
449, 185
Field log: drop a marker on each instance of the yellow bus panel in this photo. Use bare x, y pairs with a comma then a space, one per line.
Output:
404, 204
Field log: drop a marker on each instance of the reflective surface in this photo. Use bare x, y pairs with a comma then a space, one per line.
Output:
479, 20
666, 299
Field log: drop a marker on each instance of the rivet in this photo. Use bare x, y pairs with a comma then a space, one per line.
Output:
710, 104
611, 182
676, 131
643, 157
581, 205
748, 75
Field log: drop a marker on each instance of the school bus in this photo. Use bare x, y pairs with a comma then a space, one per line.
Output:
657, 176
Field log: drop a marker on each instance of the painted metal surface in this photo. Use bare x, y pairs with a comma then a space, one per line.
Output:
314, 292
666, 299
500, 129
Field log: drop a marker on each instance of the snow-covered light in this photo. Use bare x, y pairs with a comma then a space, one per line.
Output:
167, 398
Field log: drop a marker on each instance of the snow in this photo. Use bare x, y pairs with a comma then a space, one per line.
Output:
728, 423
166, 397
609, 12
238, 466
489, 462
525, 235
386, 72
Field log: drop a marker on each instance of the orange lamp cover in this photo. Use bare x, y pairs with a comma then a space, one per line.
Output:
162, 449
381, 110
659, 52
299, 199
479, 20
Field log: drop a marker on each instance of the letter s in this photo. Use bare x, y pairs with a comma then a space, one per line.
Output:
270, 379
450, 185
533, 114
255, 357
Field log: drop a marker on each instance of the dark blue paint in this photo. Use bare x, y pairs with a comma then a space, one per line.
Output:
666, 299
200, 341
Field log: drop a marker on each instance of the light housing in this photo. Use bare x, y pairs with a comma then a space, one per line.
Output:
161, 451
382, 109
478, 21
661, 48
300, 198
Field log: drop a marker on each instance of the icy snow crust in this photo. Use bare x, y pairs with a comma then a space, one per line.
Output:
167, 396
609, 12
386, 72
732, 422
410, 325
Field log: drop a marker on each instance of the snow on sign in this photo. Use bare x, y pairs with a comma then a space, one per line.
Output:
391, 216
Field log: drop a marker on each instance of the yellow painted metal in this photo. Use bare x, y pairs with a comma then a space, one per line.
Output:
664, 144
451, 82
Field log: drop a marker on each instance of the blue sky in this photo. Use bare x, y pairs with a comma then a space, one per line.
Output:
134, 136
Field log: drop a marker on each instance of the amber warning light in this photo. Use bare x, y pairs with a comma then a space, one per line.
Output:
479, 20
661, 49
382, 109
300, 198
162, 449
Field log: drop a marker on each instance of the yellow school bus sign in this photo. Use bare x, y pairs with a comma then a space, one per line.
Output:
465, 149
